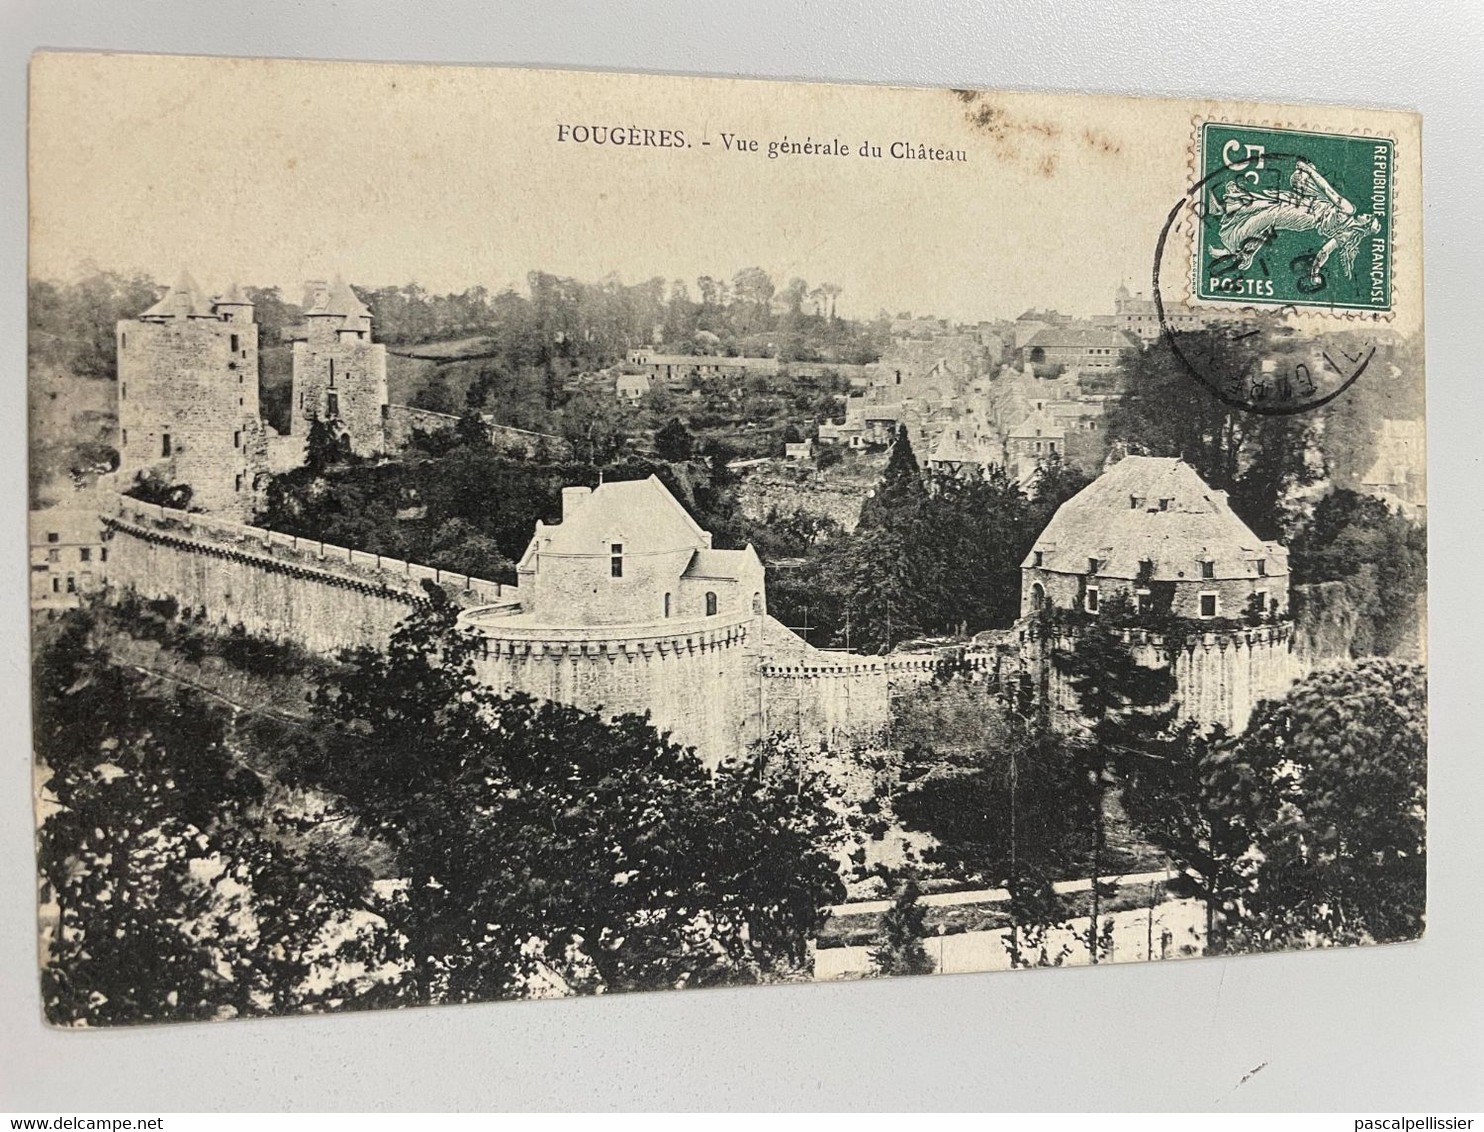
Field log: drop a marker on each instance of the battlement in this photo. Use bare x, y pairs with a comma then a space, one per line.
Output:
886, 666
505, 637
1220, 674
1250, 636
281, 553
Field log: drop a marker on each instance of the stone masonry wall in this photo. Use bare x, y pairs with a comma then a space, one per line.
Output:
353, 371
1219, 676
317, 595
845, 701
698, 680
183, 379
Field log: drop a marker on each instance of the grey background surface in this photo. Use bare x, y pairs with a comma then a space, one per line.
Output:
1388, 1029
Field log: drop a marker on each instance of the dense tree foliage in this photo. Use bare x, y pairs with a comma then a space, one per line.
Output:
539, 843
1259, 459
421, 839
1308, 828
898, 949
171, 887
934, 554
1379, 556
465, 507
73, 326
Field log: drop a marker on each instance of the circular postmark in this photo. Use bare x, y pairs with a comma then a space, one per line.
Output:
1272, 241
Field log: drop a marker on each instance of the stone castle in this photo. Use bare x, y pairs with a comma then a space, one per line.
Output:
622, 604
188, 392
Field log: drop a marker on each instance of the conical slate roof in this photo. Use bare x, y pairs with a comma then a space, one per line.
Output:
182, 300
345, 302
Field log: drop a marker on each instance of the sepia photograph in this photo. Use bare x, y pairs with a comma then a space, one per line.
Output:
505, 533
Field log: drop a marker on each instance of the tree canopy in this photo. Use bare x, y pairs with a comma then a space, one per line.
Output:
540, 843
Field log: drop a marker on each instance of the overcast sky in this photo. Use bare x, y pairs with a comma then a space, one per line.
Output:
275, 172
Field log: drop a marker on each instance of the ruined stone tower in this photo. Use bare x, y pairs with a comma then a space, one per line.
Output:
188, 398
339, 373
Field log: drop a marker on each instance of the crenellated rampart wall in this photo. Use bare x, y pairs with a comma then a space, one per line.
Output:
698, 680
317, 595
1220, 675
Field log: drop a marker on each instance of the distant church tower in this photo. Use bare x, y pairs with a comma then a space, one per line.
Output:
339, 373
188, 398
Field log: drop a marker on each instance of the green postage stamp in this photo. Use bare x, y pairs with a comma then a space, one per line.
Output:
1294, 218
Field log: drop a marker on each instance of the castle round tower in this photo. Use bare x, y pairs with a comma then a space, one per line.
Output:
1150, 549
188, 398
623, 606
339, 373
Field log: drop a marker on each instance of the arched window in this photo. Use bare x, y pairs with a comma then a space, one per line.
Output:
667, 605
1038, 596
757, 603
710, 604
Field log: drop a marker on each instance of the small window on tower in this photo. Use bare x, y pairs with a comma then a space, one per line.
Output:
53, 536
239, 481
235, 346
123, 341
615, 560
332, 404
710, 605
237, 439
165, 447
123, 390
124, 436
85, 554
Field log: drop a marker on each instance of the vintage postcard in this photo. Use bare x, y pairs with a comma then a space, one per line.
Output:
505, 533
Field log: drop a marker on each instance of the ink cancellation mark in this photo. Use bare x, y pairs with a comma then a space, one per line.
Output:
1293, 218
1272, 233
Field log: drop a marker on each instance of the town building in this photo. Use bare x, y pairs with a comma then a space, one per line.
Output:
1083, 347
627, 553
679, 372
188, 398
1135, 314
632, 387
802, 450
68, 556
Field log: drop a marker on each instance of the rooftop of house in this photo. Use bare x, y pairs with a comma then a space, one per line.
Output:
1040, 424
1158, 510
1081, 338
721, 564
640, 514
953, 449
